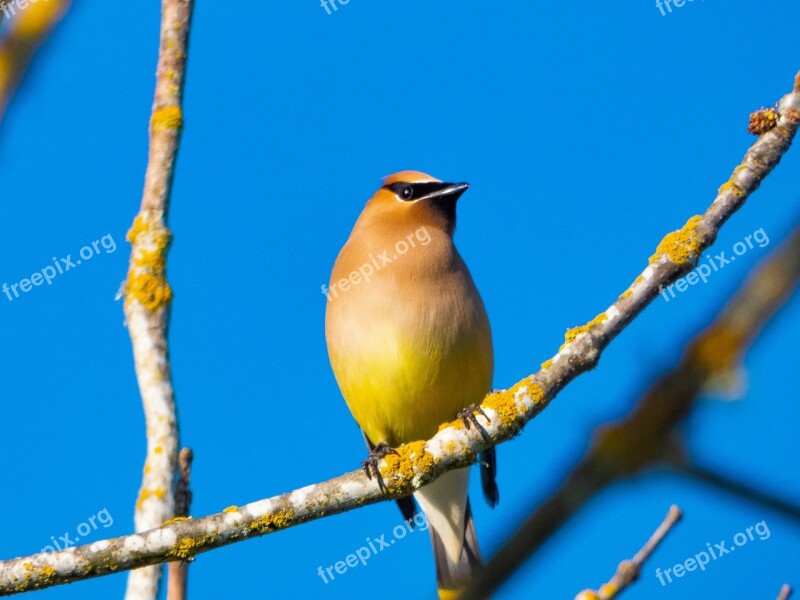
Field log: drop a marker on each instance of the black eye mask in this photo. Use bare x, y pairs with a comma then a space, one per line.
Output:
408, 192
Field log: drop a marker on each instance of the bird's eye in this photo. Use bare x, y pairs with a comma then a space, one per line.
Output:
406, 192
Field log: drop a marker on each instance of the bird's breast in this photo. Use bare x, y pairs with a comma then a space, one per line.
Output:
409, 350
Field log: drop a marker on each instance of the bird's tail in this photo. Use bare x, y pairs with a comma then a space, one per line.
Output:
455, 547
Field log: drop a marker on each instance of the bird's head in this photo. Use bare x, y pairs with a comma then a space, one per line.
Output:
412, 197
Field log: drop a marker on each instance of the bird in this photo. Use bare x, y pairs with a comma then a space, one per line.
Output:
410, 345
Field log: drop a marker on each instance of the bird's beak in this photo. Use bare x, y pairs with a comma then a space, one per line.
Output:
451, 191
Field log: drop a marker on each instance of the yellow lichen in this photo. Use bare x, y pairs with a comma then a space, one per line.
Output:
48, 571
576, 331
457, 424
547, 364
231, 509
683, 246
167, 117
147, 281
731, 186
626, 293
609, 590
139, 226
151, 292
146, 493
505, 406
400, 468
280, 520
184, 548
175, 520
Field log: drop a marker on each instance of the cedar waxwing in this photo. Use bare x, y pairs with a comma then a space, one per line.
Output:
410, 345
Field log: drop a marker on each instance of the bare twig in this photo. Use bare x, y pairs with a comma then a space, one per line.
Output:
628, 570
647, 435
147, 293
178, 571
28, 30
183, 493
786, 592
454, 446
738, 488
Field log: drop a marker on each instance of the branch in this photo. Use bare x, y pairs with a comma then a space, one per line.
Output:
178, 571
647, 435
454, 446
28, 30
147, 293
738, 488
628, 570
786, 592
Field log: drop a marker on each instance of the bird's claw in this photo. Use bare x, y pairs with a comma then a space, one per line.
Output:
370, 466
467, 415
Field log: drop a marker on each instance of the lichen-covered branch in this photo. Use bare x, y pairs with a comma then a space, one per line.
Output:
28, 29
148, 295
628, 570
646, 437
454, 446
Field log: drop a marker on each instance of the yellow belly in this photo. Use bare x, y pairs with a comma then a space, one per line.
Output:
402, 378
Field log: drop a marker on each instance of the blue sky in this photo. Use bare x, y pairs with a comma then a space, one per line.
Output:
587, 131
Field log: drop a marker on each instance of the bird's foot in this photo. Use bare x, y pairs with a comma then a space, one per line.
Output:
370, 465
467, 415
